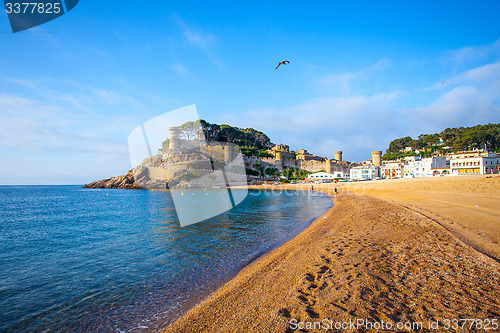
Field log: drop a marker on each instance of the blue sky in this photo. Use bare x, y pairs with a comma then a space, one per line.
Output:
360, 75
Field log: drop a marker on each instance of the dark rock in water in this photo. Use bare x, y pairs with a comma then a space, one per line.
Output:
126, 181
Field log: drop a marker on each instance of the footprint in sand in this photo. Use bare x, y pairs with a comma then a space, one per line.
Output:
312, 287
323, 269
309, 301
324, 285
312, 313
309, 277
339, 306
285, 313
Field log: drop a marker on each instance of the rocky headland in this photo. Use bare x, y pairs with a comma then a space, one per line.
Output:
126, 182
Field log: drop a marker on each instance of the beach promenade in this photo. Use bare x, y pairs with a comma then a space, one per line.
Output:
419, 253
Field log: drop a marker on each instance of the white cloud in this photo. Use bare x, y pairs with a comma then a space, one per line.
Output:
198, 38
464, 105
79, 135
325, 124
359, 124
29, 125
474, 53
32, 84
44, 143
482, 75
180, 69
342, 83
75, 96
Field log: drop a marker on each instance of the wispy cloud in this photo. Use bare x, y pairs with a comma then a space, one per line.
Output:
30, 125
470, 54
47, 143
65, 131
29, 83
472, 97
360, 123
79, 97
323, 125
342, 83
199, 38
487, 74
180, 69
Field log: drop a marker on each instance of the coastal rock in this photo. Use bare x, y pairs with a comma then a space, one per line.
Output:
126, 182
183, 185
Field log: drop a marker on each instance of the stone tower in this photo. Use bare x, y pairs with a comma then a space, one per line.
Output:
328, 166
338, 156
279, 156
228, 156
279, 161
174, 138
377, 158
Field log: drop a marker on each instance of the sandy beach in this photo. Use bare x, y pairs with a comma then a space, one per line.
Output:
419, 253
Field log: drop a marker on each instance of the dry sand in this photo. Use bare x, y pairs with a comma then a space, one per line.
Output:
390, 255
468, 207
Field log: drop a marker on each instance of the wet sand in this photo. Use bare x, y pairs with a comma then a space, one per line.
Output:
387, 252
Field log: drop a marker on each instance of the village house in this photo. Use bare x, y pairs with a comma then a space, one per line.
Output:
476, 162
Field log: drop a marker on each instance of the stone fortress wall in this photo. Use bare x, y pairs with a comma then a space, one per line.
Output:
282, 156
313, 164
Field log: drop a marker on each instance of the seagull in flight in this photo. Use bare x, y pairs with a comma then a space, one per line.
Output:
286, 62
444, 82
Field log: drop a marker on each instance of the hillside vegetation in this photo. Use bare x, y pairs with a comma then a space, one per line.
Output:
449, 140
250, 141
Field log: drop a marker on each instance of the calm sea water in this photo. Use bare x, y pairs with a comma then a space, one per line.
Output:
78, 260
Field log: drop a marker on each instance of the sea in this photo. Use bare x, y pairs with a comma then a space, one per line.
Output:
80, 260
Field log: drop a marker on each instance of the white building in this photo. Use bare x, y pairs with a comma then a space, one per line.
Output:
441, 172
475, 162
413, 167
392, 169
326, 175
426, 167
365, 172
435, 166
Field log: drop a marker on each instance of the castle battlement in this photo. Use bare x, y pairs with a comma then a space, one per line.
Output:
282, 156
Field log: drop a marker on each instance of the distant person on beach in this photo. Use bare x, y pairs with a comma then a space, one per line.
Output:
312, 188
336, 192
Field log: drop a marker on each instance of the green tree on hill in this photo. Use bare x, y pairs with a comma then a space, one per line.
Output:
458, 139
250, 141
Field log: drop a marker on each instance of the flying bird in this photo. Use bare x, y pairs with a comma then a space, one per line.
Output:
444, 82
286, 62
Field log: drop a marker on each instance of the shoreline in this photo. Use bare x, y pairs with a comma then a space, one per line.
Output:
305, 279
258, 256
